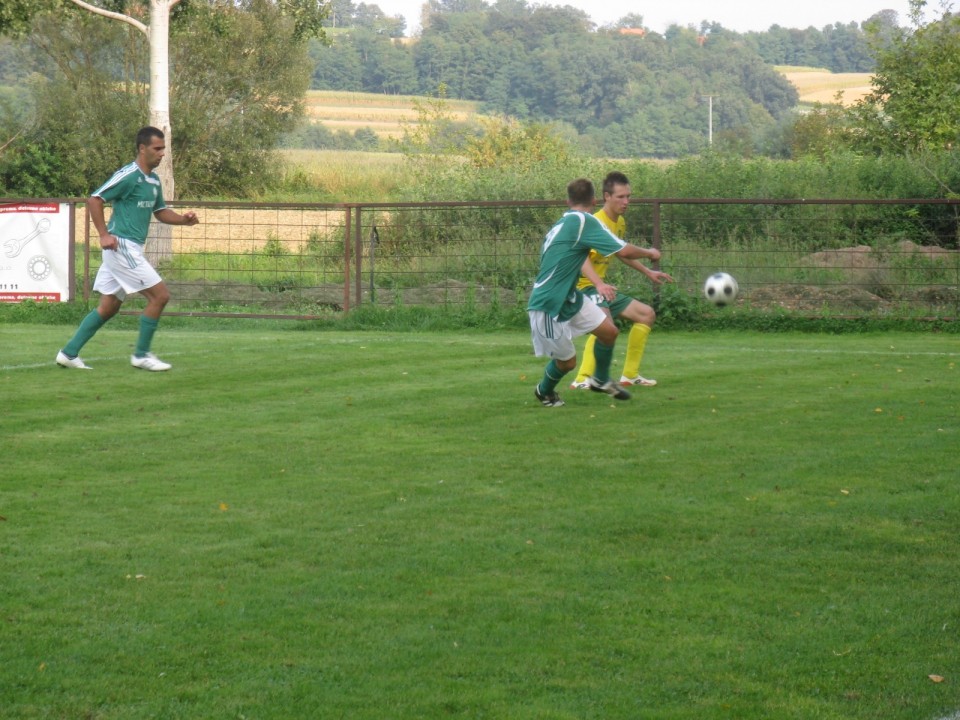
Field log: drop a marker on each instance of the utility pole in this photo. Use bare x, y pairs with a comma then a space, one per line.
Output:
710, 121
709, 98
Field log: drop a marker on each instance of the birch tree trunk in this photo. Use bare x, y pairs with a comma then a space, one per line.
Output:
160, 239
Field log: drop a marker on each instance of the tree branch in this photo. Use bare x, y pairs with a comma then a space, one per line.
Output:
113, 15
8, 142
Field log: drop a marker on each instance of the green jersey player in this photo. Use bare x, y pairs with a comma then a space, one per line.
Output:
559, 312
135, 194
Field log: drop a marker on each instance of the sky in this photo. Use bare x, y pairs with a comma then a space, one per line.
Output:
739, 15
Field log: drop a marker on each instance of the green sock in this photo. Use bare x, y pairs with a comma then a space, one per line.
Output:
552, 375
603, 355
88, 328
148, 326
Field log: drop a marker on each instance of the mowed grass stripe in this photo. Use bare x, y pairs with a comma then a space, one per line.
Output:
369, 525
212, 344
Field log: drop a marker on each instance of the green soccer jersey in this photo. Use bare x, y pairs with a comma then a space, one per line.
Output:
135, 197
565, 248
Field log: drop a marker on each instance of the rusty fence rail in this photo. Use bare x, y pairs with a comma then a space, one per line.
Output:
849, 258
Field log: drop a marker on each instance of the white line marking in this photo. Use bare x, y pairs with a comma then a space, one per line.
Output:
358, 340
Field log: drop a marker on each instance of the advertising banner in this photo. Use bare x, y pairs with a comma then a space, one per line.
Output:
34, 252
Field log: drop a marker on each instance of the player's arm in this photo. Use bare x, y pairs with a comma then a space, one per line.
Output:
634, 252
168, 216
590, 273
95, 211
655, 276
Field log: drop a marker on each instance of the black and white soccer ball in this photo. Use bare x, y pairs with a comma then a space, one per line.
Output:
721, 289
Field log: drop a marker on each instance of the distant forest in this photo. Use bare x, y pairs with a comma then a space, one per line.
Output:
623, 90
617, 91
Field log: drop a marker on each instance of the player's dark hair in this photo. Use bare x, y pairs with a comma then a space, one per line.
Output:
612, 180
580, 192
146, 134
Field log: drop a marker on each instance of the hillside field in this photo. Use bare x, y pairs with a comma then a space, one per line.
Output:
819, 85
388, 115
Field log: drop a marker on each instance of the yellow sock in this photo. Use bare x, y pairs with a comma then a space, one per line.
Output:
636, 344
589, 364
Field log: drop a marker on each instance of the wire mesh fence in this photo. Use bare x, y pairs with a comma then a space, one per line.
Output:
849, 258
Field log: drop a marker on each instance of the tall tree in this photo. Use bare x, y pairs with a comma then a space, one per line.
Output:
914, 104
336, 65
151, 18
157, 30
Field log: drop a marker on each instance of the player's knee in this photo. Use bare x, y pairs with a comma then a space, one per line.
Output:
108, 307
160, 296
641, 313
566, 365
607, 333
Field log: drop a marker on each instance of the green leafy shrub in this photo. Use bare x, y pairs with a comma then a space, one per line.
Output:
273, 247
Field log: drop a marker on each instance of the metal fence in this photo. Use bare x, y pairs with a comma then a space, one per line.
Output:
842, 258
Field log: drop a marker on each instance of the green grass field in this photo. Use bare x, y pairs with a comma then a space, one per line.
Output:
304, 524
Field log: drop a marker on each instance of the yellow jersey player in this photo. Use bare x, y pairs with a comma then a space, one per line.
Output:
616, 199
559, 312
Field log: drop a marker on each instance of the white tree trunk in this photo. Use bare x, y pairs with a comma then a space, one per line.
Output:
160, 240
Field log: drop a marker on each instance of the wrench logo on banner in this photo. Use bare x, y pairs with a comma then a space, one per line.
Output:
15, 246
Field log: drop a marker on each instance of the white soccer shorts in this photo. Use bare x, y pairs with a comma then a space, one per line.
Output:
125, 270
553, 338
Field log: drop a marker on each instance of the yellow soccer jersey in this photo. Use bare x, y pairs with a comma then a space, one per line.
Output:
600, 262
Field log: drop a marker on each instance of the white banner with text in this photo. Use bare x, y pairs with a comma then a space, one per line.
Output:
34, 252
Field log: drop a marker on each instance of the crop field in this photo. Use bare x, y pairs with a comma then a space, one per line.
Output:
344, 175
817, 85
386, 115
305, 523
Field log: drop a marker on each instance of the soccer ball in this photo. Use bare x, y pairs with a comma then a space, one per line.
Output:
721, 289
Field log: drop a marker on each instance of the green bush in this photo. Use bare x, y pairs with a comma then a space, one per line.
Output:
31, 169
273, 247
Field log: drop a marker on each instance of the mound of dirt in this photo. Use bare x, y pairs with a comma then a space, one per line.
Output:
810, 298
862, 285
931, 252
864, 257
852, 258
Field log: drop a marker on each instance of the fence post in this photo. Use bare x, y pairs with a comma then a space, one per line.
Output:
656, 240
372, 261
86, 257
359, 260
72, 253
347, 226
